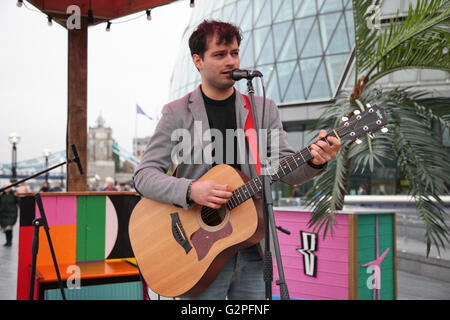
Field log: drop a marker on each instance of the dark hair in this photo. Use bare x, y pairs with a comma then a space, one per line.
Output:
226, 32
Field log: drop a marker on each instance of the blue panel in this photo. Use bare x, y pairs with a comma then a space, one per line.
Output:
114, 291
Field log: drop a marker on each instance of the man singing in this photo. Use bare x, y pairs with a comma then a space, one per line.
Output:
216, 104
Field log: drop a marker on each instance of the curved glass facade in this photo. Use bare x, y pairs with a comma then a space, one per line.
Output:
300, 46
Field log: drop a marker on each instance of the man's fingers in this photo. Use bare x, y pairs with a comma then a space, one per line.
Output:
334, 141
223, 187
217, 200
222, 194
317, 157
322, 134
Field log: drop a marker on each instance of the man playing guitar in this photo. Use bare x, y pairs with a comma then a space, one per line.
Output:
216, 104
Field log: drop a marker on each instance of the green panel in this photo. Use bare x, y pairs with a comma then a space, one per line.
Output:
367, 253
115, 291
91, 212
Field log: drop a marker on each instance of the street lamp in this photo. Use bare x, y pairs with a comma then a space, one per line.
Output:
46, 155
14, 139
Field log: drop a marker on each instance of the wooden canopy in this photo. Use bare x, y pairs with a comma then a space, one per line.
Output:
99, 10
92, 12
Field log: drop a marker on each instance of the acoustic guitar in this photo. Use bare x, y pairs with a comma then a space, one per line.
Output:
180, 252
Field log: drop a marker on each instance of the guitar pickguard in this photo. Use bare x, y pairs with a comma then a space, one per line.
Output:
203, 240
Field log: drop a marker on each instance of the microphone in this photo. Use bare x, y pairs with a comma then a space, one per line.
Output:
77, 159
238, 74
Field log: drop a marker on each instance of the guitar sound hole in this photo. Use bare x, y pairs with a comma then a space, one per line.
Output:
213, 217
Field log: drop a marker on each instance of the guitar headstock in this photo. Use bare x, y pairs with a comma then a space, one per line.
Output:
362, 123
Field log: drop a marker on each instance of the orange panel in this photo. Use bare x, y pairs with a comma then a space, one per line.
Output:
88, 270
64, 244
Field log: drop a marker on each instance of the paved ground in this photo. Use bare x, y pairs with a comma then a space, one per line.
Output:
410, 286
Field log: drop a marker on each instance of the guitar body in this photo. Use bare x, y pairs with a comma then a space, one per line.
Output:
180, 252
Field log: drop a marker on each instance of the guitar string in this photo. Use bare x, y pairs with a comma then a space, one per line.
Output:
288, 160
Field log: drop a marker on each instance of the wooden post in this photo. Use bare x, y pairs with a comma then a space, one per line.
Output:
77, 105
353, 257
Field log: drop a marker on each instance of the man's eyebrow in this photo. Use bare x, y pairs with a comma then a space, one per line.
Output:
218, 51
224, 50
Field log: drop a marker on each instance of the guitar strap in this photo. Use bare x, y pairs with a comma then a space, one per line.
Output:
250, 133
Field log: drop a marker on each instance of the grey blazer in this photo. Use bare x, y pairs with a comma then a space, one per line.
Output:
150, 177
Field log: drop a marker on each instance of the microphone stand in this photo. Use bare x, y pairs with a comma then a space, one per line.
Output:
269, 220
42, 221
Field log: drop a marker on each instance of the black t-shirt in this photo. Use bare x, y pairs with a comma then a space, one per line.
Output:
222, 116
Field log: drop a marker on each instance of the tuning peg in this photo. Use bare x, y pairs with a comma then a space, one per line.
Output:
384, 129
368, 105
356, 112
358, 141
344, 119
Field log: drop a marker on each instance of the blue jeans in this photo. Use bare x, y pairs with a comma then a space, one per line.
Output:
240, 279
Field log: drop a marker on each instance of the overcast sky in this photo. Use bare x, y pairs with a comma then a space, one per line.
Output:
131, 64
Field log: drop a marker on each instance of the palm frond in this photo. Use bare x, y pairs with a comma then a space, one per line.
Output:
411, 141
420, 41
327, 194
365, 38
422, 159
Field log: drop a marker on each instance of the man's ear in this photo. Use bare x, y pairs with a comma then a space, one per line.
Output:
197, 61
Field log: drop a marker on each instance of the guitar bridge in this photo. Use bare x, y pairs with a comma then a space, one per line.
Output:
178, 232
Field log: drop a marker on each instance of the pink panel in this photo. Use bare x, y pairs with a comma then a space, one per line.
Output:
331, 280
60, 210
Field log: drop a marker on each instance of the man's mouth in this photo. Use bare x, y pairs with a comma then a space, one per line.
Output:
227, 72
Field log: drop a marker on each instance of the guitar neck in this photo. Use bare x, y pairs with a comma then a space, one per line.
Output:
286, 166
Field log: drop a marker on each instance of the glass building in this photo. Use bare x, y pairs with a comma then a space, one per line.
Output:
304, 50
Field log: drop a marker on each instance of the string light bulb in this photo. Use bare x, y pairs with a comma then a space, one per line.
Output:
149, 14
49, 21
108, 26
19, 3
192, 4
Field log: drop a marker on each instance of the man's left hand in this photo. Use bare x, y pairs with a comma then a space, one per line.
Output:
323, 151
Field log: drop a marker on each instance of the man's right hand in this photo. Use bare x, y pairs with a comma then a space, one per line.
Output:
209, 193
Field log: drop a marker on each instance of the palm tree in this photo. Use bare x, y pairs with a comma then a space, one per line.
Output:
419, 40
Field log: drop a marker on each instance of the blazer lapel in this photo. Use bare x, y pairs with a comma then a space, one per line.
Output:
241, 112
201, 123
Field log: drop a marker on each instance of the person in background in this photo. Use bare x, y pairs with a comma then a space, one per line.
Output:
56, 187
23, 188
45, 187
362, 189
109, 185
8, 214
